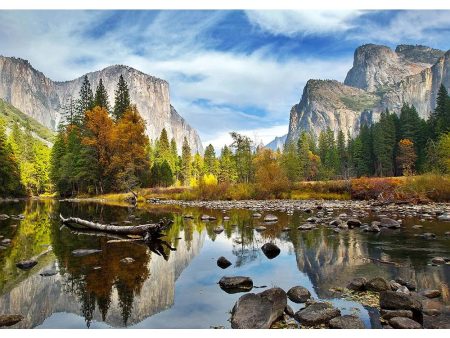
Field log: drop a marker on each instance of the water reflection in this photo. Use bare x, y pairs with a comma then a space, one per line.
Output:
133, 282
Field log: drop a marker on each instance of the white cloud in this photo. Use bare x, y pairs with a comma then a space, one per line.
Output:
303, 22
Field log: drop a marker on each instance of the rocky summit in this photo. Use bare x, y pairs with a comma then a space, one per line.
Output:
39, 97
380, 79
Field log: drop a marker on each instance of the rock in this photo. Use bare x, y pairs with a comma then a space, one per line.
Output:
26, 265
189, 216
270, 218
447, 233
372, 228
226, 218
205, 217
84, 252
9, 320
392, 300
3, 247
431, 312
431, 293
270, 250
353, 222
223, 263
389, 223
403, 289
335, 222
347, 322
404, 323
316, 314
306, 227
428, 235
127, 260
411, 285
343, 216
6, 241
258, 311
3, 217
417, 226
312, 220
357, 284
260, 228
48, 273
377, 285
298, 294
236, 284
218, 230
289, 311
256, 215
285, 229
438, 260
445, 217
388, 314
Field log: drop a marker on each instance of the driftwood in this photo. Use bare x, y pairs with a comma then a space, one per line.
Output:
152, 230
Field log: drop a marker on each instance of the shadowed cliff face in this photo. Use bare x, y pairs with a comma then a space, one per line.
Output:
380, 79
41, 98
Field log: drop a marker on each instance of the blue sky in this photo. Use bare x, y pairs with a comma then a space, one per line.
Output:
227, 70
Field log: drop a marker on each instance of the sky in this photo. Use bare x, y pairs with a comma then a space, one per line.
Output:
228, 70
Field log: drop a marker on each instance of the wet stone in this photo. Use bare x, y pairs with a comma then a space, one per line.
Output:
48, 273
306, 227
26, 265
223, 263
377, 285
388, 314
353, 222
316, 314
438, 260
236, 284
346, 322
218, 230
270, 218
260, 228
270, 250
127, 260
298, 294
357, 284
404, 323
85, 252
431, 293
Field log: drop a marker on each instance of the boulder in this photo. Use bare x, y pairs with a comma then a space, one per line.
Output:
298, 294
372, 228
84, 252
378, 284
9, 320
270, 218
316, 314
258, 311
26, 265
306, 227
388, 314
431, 293
218, 230
389, 223
3, 217
404, 323
403, 289
438, 260
223, 263
270, 250
357, 284
289, 311
335, 222
260, 228
347, 322
236, 284
392, 300
256, 215
353, 222
444, 217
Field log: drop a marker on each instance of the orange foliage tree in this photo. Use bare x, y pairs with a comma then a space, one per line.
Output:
406, 156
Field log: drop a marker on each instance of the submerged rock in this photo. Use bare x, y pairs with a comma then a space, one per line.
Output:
388, 314
404, 323
298, 294
316, 314
236, 284
84, 252
353, 222
48, 273
9, 320
438, 260
223, 263
389, 223
260, 228
306, 227
270, 250
26, 265
431, 293
347, 322
258, 311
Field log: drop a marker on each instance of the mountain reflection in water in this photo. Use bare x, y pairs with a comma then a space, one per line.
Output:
161, 287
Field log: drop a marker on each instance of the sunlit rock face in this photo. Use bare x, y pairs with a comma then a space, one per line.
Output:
380, 79
37, 297
43, 99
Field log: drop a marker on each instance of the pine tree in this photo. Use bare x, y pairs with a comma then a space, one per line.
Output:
304, 163
210, 160
290, 161
186, 160
85, 101
384, 143
101, 96
122, 98
440, 120
227, 167
243, 154
342, 155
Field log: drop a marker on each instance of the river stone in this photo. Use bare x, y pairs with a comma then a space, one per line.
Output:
9, 320
218, 230
6, 241
3, 247
316, 314
84, 252
26, 265
3, 217
438, 260
260, 228
389, 223
372, 228
357, 284
403, 289
270, 250
431, 293
189, 216
48, 273
388, 314
258, 311
289, 311
270, 218
353, 222
306, 227
347, 322
417, 226
226, 218
335, 222
377, 285
444, 217
223, 263
256, 215
205, 218
392, 300
236, 284
404, 323
298, 294
127, 260
428, 235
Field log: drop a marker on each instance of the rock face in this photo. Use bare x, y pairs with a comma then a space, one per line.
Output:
42, 99
380, 78
277, 143
258, 311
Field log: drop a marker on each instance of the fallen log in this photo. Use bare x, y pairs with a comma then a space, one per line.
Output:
123, 230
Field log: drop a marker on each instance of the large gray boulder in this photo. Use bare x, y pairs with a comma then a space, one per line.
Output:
347, 322
392, 300
316, 314
404, 323
378, 284
357, 284
298, 294
258, 311
389, 223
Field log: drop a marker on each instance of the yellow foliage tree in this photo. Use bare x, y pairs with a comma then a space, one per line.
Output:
270, 178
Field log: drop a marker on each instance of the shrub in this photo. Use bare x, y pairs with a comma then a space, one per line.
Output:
429, 186
375, 188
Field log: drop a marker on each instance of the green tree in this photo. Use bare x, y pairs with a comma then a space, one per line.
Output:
122, 98
440, 118
101, 96
384, 144
210, 160
186, 160
227, 166
85, 101
242, 146
290, 162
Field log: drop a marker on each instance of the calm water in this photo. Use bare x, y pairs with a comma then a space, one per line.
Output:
178, 289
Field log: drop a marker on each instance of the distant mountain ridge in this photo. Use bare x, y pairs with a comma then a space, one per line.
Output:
277, 143
380, 79
42, 99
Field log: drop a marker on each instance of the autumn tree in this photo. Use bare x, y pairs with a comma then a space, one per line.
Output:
406, 156
270, 179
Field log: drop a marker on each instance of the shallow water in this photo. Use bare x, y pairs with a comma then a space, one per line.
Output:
178, 289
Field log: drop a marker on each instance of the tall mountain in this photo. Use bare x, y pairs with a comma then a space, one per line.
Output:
43, 99
277, 143
381, 78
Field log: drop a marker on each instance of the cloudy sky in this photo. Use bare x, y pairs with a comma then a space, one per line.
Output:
228, 70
